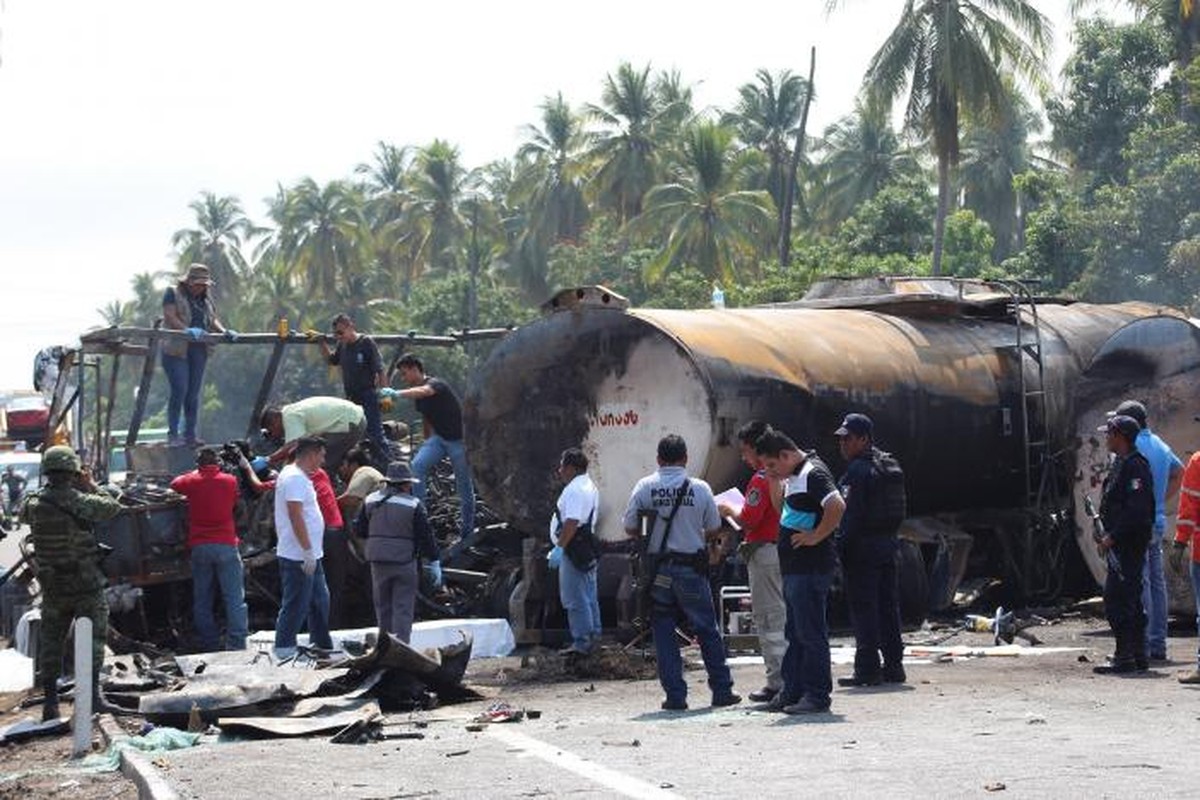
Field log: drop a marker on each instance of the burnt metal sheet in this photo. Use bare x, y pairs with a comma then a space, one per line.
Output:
224, 686
315, 715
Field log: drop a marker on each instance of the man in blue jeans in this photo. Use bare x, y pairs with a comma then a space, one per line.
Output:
212, 497
575, 515
682, 514
300, 529
812, 509
441, 414
1167, 470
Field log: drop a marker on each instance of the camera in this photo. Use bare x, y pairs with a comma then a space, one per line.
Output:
233, 452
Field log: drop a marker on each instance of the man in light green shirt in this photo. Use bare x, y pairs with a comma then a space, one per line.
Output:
340, 422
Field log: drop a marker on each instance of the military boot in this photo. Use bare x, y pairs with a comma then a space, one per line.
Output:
50, 704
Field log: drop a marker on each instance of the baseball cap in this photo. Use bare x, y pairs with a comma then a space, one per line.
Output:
1124, 425
856, 424
1131, 408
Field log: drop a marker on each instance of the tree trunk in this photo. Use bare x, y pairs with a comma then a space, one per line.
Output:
789, 191
943, 205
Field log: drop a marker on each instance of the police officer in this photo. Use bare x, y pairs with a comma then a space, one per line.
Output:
1127, 510
65, 553
868, 544
683, 514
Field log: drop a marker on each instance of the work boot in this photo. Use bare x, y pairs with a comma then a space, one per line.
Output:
763, 695
1117, 667
1190, 678
50, 704
894, 674
726, 699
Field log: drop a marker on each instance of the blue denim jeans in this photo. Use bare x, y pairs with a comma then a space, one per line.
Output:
690, 595
185, 375
434, 450
305, 598
1154, 597
218, 566
1195, 570
806, 663
577, 591
369, 402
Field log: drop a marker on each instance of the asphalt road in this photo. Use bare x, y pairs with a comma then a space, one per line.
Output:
1023, 726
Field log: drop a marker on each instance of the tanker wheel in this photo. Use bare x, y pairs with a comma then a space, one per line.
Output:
914, 584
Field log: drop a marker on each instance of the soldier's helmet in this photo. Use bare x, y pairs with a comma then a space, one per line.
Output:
60, 458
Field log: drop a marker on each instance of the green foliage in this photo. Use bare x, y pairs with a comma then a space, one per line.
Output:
1110, 85
969, 244
898, 220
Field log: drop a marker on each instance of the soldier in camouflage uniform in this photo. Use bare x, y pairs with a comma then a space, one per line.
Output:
66, 555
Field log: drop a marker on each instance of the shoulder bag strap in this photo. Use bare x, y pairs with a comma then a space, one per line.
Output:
671, 517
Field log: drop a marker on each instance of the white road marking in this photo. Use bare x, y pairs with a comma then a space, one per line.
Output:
556, 756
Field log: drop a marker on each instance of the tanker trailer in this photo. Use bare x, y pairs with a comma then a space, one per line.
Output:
972, 388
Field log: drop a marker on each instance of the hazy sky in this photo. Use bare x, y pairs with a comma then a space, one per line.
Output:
114, 115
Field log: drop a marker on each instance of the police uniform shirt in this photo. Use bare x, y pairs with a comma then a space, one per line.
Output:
579, 500
697, 509
1127, 505
805, 493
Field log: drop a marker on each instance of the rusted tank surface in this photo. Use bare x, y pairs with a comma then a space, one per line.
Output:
941, 376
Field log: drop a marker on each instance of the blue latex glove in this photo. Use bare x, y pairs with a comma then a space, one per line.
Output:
433, 573
196, 333
389, 392
554, 557
259, 463
231, 335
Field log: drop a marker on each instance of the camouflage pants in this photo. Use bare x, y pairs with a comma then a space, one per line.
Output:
58, 610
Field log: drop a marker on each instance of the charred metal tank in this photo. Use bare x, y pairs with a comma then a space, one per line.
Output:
975, 389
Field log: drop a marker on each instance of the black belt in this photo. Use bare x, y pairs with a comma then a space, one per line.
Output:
697, 560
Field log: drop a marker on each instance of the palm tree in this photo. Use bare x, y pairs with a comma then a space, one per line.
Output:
765, 118
323, 237
549, 187
389, 211
438, 186
861, 155
995, 151
222, 229
712, 225
949, 56
626, 150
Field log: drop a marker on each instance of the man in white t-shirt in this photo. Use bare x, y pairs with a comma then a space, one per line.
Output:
300, 528
573, 530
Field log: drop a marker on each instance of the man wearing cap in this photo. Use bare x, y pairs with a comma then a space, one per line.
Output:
1187, 536
682, 514
1127, 511
868, 544
187, 307
397, 532
362, 376
212, 497
1167, 471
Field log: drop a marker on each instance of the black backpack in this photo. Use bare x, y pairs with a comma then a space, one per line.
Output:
887, 503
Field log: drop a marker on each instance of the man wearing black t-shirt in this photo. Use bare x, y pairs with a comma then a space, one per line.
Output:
812, 509
441, 414
362, 376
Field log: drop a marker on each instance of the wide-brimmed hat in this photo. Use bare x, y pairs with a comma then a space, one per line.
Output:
198, 273
400, 472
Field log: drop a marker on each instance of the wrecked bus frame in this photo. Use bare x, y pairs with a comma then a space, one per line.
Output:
148, 538
989, 395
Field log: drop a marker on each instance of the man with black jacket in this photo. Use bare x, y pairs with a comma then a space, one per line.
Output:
868, 544
1127, 510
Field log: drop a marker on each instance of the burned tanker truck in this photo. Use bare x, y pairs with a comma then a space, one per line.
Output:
989, 396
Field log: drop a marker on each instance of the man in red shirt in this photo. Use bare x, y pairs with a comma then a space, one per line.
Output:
212, 496
335, 539
759, 518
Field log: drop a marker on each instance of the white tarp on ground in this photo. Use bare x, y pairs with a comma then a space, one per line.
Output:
492, 637
921, 654
16, 671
